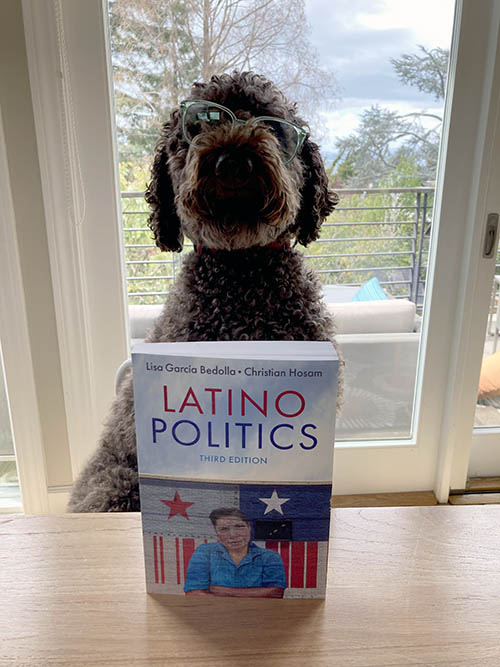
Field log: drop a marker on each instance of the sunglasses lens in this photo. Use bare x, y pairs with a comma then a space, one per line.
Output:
203, 116
287, 136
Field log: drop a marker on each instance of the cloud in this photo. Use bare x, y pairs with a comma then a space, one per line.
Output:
357, 38
342, 122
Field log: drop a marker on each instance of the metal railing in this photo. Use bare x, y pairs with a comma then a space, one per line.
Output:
387, 232
377, 232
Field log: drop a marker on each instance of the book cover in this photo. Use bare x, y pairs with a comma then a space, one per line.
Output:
235, 455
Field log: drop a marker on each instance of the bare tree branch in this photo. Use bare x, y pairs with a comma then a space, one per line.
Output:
160, 47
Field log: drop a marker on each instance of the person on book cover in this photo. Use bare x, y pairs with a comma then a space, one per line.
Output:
234, 566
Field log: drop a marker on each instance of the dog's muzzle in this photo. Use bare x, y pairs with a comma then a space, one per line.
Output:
235, 189
234, 168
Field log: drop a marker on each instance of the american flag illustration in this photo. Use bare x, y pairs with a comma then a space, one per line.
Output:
291, 519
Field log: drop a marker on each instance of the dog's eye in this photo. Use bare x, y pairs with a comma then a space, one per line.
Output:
202, 116
285, 133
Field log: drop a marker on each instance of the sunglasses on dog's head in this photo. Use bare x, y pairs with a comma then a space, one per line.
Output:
200, 115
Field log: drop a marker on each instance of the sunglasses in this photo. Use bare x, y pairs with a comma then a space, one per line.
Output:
199, 115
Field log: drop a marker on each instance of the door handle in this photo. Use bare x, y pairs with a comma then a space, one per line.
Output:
490, 236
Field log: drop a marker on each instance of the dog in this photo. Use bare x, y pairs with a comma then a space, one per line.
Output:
236, 172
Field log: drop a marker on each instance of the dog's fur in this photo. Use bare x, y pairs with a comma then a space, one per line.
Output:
236, 286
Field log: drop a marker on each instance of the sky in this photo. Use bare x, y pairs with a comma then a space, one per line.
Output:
357, 38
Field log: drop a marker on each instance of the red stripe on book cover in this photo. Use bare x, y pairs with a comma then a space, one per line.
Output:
162, 561
188, 550
285, 557
297, 575
155, 557
312, 565
178, 560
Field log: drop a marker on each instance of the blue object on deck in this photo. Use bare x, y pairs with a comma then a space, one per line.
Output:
370, 291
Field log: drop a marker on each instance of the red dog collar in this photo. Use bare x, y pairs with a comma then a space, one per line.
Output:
281, 246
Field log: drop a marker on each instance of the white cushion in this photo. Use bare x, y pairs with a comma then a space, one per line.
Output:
142, 319
338, 293
384, 316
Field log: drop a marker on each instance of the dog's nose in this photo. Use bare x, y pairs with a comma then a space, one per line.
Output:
233, 167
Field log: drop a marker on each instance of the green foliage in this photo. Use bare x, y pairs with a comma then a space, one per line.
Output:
134, 175
377, 234
150, 272
151, 280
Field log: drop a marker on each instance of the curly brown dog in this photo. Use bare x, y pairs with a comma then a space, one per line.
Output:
236, 172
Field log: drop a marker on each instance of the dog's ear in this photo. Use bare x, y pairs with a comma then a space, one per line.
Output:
317, 200
164, 221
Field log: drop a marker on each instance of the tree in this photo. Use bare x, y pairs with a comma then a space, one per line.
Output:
426, 71
151, 63
386, 139
160, 47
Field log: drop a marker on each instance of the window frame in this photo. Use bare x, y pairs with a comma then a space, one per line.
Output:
73, 111
16, 355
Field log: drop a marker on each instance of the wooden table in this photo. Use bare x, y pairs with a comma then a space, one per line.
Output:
407, 586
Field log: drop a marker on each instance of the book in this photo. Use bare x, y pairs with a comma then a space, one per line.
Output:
235, 455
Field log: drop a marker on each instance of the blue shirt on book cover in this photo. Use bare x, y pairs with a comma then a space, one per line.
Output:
211, 565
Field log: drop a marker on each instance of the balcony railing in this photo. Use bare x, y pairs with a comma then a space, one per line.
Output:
376, 232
